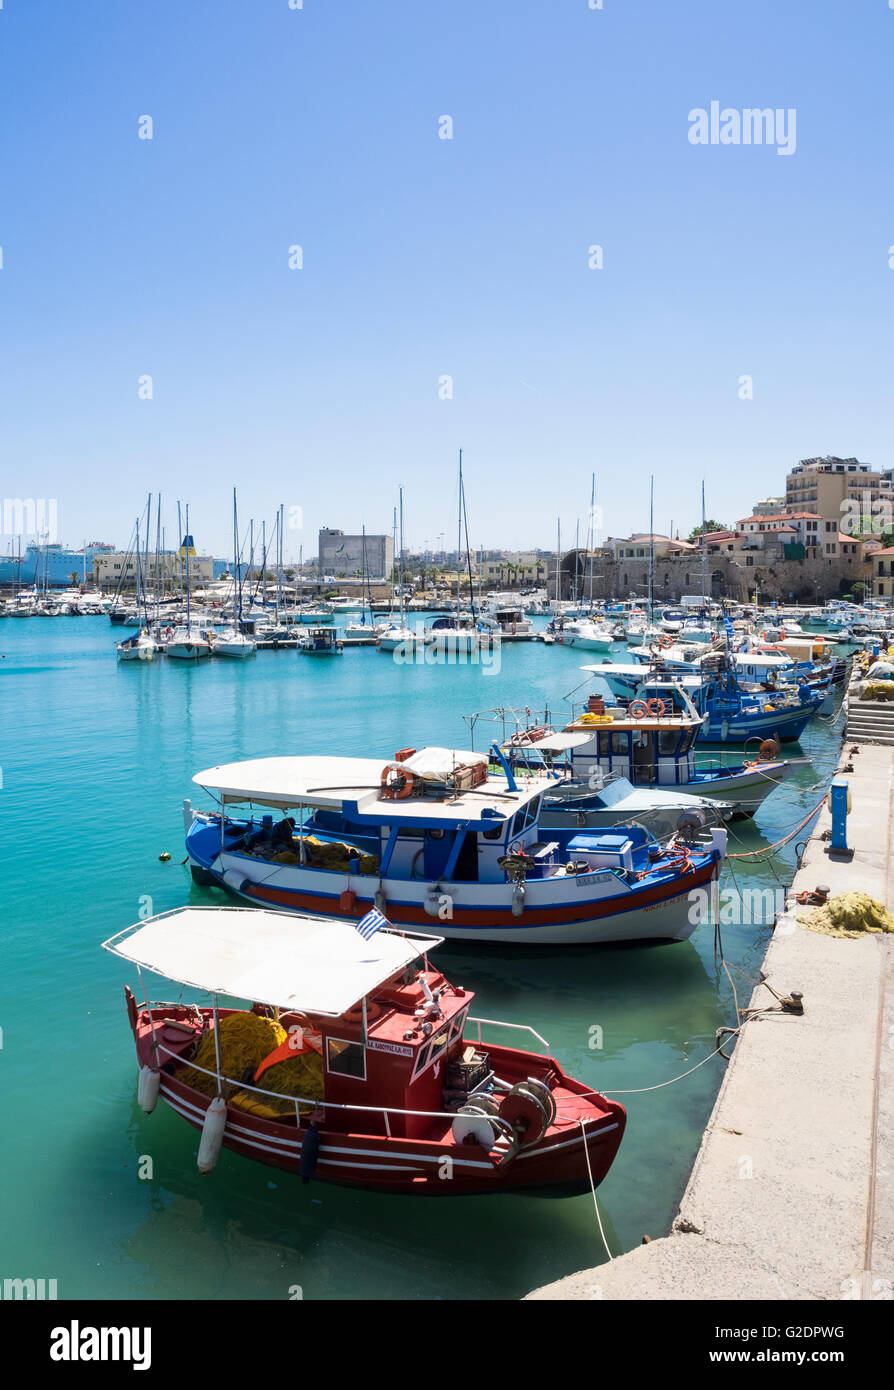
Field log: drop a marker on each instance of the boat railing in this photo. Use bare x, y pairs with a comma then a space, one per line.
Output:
520, 1027
316, 1104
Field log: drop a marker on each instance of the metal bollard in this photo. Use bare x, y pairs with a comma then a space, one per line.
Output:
839, 802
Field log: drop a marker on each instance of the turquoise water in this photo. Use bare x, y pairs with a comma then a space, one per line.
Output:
96, 760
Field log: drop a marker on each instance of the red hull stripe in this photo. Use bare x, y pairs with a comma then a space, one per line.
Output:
490, 917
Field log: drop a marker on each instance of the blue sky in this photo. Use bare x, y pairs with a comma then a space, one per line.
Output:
423, 257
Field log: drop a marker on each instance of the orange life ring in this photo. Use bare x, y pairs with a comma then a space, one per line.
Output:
637, 708
666, 642
400, 790
355, 1013
655, 707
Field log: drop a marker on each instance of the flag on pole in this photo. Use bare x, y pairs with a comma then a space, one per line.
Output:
370, 924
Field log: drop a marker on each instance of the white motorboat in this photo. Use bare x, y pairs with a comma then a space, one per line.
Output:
186, 644
232, 643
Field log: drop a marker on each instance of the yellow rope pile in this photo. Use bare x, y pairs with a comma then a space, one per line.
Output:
848, 915
245, 1040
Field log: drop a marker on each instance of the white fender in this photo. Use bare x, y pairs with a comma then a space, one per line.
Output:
518, 900
212, 1134
148, 1088
189, 814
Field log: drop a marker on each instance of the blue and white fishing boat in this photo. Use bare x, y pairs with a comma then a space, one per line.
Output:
444, 835
606, 752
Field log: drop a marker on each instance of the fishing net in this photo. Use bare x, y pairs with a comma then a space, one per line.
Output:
848, 915
297, 1076
245, 1040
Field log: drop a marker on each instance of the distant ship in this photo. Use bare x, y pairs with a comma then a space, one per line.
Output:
51, 566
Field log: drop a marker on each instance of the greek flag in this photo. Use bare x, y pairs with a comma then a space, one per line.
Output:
728, 625
370, 924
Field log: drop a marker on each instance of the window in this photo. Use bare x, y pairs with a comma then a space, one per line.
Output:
346, 1058
830, 525
619, 743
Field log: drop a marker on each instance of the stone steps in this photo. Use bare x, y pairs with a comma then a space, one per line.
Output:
870, 721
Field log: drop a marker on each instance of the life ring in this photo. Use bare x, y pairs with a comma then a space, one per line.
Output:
401, 787
637, 709
355, 1013
666, 642
655, 707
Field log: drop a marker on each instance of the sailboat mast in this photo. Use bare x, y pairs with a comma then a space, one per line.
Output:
158, 585
651, 547
704, 552
591, 533
185, 546
400, 573
465, 516
558, 557
459, 535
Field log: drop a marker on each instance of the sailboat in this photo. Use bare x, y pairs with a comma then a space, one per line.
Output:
232, 641
461, 632
397, 636
142, 646
186, 643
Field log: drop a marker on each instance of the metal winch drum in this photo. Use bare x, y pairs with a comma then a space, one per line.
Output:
472, 1123
530, 1108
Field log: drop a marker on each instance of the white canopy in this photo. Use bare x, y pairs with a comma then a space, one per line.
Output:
319, 964
331, 781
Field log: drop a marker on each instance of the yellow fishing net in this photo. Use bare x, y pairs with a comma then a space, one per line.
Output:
848, 914
245, 1040
297, 1076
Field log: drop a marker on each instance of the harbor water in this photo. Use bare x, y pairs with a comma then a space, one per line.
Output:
96, 760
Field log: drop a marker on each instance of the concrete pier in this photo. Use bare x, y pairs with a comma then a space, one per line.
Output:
791, 1194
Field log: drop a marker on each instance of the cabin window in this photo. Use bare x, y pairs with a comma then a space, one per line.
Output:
619, 743
434, 1048
346, 1058
494, 833
518, 824
667, 742
604, 745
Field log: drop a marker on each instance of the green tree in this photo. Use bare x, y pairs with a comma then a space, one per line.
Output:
708, 527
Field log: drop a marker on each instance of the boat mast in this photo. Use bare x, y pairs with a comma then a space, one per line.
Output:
280, 540
185, 546
400, 573
237, 581
704, 553
651, 547
465, 515
591, 534
558, 557
459, 538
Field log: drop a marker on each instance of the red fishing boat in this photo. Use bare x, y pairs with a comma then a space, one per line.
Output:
355, 1062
